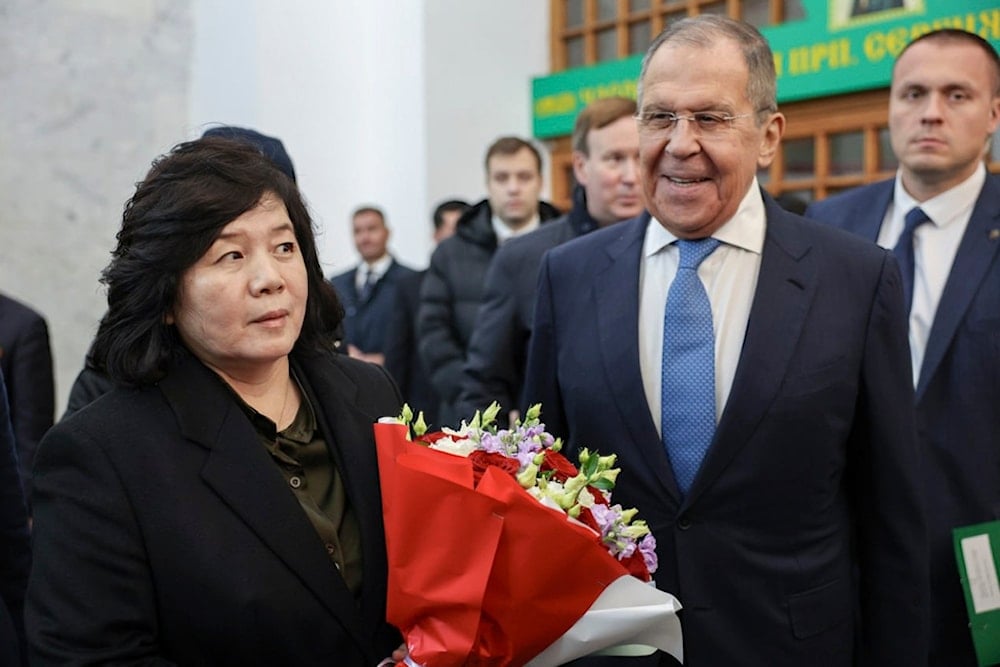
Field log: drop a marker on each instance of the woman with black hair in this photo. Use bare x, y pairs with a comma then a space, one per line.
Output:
221, 505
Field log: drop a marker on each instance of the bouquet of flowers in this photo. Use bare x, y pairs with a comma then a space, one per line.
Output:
503, 552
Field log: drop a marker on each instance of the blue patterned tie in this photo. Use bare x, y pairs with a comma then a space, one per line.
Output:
687, 401
904, 251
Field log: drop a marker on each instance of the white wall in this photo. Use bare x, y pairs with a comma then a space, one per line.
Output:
391, 102
383, 102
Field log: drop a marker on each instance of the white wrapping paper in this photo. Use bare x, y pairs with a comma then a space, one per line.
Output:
629, 618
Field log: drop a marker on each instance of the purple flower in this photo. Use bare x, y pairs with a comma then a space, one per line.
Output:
647, 546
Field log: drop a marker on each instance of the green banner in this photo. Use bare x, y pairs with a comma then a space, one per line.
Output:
840, 46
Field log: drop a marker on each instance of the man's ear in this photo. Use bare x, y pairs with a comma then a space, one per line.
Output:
579, 162
770, 142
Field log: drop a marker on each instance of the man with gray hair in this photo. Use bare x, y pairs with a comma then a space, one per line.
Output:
749, 369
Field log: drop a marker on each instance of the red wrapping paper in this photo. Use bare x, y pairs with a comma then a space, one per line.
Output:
481, 575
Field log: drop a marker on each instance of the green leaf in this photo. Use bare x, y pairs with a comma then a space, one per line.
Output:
603, 484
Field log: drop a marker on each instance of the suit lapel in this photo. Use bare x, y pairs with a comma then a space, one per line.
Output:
616, 293
976, 252
785, 287
239, 469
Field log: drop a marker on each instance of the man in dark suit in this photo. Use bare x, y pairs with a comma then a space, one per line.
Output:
402, 353
15, 556
452, 289
606, 168
943, 109
26, 363
368, 291
779, 473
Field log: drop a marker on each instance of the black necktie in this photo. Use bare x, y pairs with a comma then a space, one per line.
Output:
369, 284
904, 251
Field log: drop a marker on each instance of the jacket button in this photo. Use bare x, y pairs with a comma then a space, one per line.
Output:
684, 522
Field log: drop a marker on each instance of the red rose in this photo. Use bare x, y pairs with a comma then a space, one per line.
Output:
587, 518
636, 566
482, 460
561, 466
431, 438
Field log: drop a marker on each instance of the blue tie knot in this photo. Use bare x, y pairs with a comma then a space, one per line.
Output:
693, 253
913, 219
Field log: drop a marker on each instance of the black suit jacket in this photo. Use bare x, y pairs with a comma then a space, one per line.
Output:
958, 397
801, 540
15, 546
26, 363
167, 535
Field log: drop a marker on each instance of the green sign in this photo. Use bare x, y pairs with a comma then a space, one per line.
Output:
977, 552
837, 48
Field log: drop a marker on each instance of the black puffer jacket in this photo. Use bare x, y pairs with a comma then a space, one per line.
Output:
450, 297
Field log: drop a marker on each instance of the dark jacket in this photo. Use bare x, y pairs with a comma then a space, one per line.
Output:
498, 350
166, 534
26, 363
450, 298
366, 319
957, 396
402, 356
802, 539
15, 546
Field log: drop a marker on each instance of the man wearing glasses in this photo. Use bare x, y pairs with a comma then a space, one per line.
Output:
749, 369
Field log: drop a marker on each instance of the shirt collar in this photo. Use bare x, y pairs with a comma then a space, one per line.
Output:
379, 266
505, 233
947, 207
744, 230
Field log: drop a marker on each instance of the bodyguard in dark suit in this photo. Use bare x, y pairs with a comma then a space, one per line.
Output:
943, 109
606, 168
780, 472
26, 363
220, 505
15, 554
368, 291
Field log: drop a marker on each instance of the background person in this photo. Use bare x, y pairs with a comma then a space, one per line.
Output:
453, 287
944, 106
15, 556
368, 291
26, 363
221, 504
749, 369
606, 169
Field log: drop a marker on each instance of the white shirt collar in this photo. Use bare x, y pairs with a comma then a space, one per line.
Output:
377, 268
505, 233
947, 207
745, 229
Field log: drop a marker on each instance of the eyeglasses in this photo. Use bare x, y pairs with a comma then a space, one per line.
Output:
706, 123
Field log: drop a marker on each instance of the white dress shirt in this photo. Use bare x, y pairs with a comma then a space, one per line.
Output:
935, 245
505, 233
730, 278
377, 269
